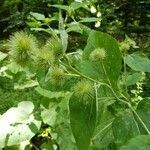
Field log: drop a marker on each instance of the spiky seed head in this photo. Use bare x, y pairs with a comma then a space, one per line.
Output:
98, 54
57, 76
45, 58
57, 73
83, 88
55, 45
22, 46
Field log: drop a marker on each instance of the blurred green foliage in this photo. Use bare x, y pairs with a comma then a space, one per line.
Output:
118, 16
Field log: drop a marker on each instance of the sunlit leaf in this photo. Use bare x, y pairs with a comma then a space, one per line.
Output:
15, 124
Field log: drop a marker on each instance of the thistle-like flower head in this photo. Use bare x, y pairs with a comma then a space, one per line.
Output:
83, 88
57, 73
22, 47
55, 45
98, 54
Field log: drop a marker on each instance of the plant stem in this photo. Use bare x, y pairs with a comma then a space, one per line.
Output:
125, 72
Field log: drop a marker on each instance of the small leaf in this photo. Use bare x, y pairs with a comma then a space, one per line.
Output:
74, 27
92, 19
50, 94
133, 78
77, 5
37, 16
64, 7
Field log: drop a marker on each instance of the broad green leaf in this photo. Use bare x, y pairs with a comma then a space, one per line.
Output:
107, 70
143, 110
37, 16
94, 70
138, 62
15, 124
2, 56
82, 119
74, 27
124, 128
141, 142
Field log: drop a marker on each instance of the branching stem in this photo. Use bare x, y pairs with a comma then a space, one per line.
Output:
113, 92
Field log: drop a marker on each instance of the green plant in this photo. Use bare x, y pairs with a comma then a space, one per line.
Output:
81, 99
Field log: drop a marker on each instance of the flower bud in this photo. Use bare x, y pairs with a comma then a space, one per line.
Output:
99, 14
93, 9
97, 24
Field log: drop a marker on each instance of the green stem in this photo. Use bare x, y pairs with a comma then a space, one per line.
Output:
125, 72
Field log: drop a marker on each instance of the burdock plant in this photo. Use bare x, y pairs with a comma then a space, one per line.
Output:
22, 47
